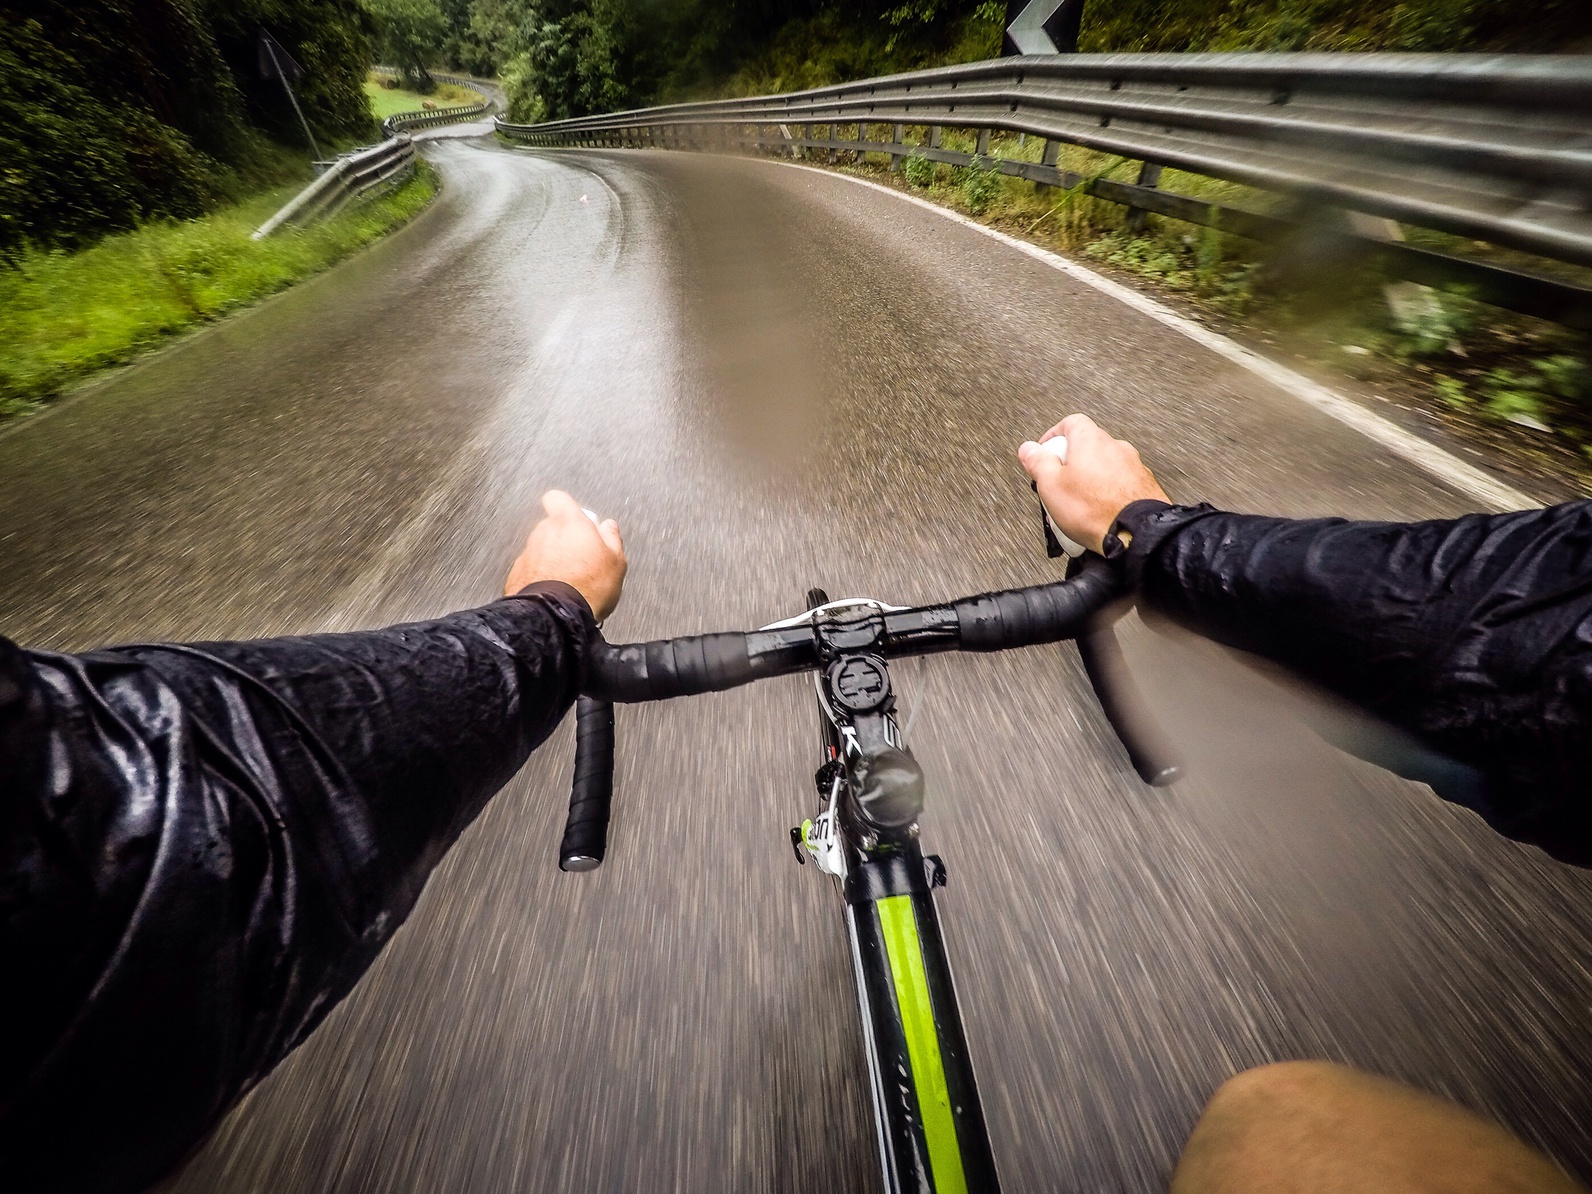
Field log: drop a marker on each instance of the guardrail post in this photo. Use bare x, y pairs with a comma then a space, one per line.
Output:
983, 147
1138, 218
1051, 155
829, 136
896, 145
934, 136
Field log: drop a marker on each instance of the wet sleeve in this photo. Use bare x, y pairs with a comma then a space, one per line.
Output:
203, 846
1472, 634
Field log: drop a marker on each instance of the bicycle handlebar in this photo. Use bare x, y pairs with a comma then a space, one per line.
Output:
675, 667
666, 668
592, 793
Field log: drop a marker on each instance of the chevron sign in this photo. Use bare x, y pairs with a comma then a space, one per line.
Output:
1043, 27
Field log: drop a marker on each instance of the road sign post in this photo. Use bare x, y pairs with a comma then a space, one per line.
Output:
275, 62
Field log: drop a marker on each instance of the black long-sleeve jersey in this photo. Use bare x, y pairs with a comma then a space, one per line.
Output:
1474, 634
203, 847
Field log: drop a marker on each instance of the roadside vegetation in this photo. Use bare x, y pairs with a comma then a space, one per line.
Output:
563, 58
117, 112
1518, 386
139, 148
69, 314
388, 97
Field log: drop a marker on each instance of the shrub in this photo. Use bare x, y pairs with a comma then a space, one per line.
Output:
918, 169
979, 188
1452, 391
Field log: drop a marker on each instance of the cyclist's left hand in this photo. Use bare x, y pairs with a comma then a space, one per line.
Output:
568, 546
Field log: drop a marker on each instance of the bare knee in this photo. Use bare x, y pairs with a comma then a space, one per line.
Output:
1254, 1126
1298, 1127
1283, 1089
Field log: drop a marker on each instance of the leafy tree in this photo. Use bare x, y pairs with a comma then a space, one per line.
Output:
413, 34
487, 41
333, 40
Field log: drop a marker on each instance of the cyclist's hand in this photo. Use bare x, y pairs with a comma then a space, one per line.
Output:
566, 546
1102, 475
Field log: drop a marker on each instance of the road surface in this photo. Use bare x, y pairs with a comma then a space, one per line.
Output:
775, 377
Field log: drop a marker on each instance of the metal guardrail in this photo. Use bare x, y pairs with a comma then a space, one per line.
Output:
429, 117
1489, 148
353, 176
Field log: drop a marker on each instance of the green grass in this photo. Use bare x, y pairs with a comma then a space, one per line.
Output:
67, 315
389, 101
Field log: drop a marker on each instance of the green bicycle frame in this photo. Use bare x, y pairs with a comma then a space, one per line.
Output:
932, 1135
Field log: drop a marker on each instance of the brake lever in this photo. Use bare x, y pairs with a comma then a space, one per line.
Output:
1056, 543
1149, 750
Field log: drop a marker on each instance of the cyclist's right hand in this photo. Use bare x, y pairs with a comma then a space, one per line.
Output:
568, 546
1101, 477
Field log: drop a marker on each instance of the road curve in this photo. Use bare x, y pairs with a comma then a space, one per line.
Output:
776, 378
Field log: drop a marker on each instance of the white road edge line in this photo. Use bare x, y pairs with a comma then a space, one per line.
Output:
1445, 466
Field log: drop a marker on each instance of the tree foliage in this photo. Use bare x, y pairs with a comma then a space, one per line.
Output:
569, 57
413, 33
113, 112
333, 40
1410, 25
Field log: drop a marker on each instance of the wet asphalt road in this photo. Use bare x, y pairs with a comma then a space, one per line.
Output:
776, 378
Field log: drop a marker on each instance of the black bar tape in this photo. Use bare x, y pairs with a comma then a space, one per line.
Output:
1041, 614
667, 668
591, 795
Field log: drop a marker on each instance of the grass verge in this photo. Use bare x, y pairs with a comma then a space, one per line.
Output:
68, 315
388, 101
1515, 389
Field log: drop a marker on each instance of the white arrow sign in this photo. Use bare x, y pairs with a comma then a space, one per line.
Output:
1045, 27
